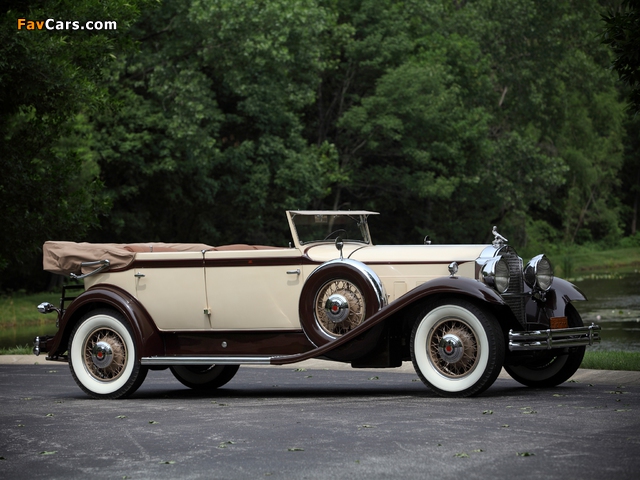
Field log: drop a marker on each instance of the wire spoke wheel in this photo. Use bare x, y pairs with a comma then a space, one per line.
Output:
105, 353
442, 355
102, 355
339, 307
457, 348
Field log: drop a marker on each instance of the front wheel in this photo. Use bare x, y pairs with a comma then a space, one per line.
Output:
102, 356
207, 377
457, 348
551, 370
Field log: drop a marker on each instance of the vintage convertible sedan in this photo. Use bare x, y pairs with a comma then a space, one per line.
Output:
460, 313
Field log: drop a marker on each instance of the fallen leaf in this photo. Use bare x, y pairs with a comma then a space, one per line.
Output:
168, 462
505, 426
477, 450
488, 412
49, 453
295, 449
121, 416
462, 455
374, 378
49, 415
153, 422
300, 370
525, 454
367, 426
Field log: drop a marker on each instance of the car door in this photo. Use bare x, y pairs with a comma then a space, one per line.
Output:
253, 289
171, 287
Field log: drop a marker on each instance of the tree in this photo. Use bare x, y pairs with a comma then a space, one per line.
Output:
622, 34
207, 145
49, 78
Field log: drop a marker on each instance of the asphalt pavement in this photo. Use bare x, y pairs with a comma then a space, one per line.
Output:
316, 420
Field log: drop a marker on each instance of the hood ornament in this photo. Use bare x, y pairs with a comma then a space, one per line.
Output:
498, 240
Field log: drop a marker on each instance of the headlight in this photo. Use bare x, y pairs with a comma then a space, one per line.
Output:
539, 273
495, 273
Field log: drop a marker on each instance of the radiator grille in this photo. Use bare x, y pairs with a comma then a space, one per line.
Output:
513, 296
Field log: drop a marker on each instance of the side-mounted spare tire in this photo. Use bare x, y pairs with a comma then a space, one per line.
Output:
339, 296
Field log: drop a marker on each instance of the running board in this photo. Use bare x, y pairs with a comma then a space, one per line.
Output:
206, 360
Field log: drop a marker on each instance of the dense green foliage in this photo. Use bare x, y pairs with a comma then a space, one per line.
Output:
50, 81
447, 117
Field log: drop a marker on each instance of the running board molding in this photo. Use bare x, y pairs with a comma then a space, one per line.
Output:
256, 360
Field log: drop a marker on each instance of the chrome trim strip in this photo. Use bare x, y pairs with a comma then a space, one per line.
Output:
213, 360
559, 338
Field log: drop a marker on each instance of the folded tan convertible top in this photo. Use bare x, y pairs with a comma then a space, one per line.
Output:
65, 258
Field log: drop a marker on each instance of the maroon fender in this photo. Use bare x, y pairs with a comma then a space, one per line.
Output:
147, 336
554, 304
459, 286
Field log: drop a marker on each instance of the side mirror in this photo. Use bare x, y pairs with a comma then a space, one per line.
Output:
339, 245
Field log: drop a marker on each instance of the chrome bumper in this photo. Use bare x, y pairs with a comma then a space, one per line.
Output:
559, 338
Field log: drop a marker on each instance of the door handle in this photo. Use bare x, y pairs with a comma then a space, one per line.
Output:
293, 272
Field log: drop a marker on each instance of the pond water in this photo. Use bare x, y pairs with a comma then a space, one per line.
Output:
613, 303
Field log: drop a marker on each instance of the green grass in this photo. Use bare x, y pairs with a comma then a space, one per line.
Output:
20, 309
611, 360
579, 261
17, 350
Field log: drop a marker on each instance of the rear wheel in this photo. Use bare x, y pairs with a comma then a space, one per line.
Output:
457, 349
103, 356
551, 370
204, 377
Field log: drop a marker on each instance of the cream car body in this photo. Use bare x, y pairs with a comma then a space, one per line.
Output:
459, 312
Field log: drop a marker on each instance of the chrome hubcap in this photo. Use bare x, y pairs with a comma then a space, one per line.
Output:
453, 348
337, 308
105, 354
450, 348
102, 354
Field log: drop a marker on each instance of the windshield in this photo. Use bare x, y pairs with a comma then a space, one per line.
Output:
320, 227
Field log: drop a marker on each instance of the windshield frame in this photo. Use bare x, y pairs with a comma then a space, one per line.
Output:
299, 220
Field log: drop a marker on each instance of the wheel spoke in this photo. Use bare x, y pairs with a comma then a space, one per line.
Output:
118, 349
354, 299
460, 330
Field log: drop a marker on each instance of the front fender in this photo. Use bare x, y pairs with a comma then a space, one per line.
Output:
147, 336
562, 293
460, 286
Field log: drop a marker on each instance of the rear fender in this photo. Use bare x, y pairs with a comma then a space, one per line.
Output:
147, 336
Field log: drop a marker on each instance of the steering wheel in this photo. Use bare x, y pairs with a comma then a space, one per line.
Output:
340, 230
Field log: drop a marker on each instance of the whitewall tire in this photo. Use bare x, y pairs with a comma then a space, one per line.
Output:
102, 356
457, 349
